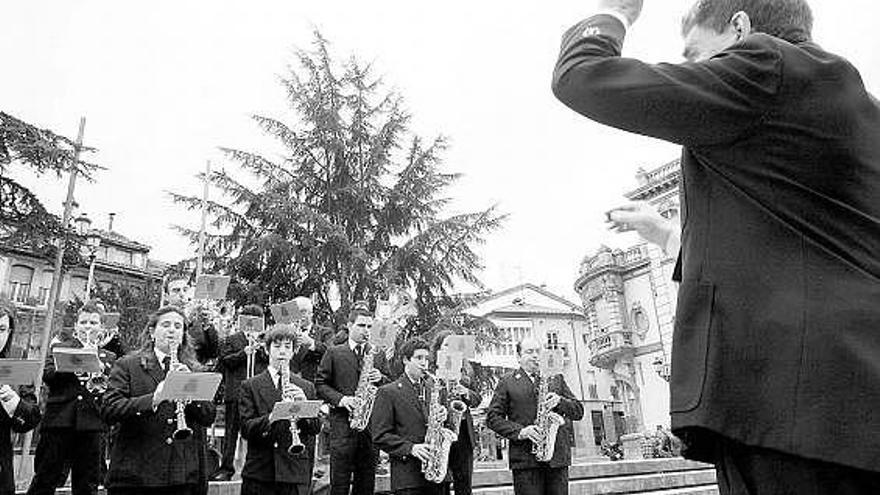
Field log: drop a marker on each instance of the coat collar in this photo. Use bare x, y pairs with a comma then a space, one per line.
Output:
409, 392
151, 365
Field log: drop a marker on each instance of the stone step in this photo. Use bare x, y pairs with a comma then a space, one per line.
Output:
701, 481
694, 490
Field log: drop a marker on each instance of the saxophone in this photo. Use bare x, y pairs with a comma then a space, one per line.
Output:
457, 408
183, 431
364, 396
547, 421
296, 445
438, 437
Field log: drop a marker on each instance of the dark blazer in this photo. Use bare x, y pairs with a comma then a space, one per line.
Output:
399, 421
233, 364
24, 419
144, 453
472, 399
338, 376
69, 404
306, 361
267, 456
204, 337
515, 406
779, 303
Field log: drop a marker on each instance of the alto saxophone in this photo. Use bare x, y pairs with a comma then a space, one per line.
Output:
296, 445
438, 437
183, 431
364, 395
457, 408
547, 421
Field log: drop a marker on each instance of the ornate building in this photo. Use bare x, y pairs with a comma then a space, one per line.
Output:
629, 302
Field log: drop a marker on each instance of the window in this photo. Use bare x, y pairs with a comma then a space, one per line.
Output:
552, 339
20, 283
598, 426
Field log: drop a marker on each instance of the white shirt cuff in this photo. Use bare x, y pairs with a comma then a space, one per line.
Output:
617, 15
673, 243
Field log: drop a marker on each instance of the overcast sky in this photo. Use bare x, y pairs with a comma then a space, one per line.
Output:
163, 84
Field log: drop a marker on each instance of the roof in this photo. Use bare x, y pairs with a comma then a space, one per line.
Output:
530, 299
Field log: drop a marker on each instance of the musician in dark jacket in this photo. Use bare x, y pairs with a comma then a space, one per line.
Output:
19, 412
313, 341
146, 459
512, 414
777, 315
352, 453
71, 427
461, 457
400, 419
270, 468
204, 338
235, 352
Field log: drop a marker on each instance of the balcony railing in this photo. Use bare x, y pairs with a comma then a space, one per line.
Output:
19, 292
608, 348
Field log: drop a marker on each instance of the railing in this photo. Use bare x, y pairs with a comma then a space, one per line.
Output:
19, 292
608, 347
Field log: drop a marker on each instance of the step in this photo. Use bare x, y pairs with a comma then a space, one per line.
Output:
643, 483
693, 490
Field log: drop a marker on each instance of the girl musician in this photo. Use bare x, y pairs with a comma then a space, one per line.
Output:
461, 455
19, 411
280, 456
154, 454
72, 426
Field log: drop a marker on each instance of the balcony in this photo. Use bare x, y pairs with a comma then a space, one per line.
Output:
610, 347
19, 292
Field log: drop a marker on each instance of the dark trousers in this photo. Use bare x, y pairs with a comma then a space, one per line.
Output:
429, 489
160, 490
230, 437
352, 464
461, 465
745, 470
540, 481
250, 486
81, 449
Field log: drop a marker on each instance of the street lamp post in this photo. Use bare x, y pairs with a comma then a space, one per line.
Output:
93, 241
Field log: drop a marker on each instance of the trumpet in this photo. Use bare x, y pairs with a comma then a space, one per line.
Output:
296, 445
183, 431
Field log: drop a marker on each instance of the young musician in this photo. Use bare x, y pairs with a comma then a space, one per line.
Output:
400, 421
72, 426
236, 352
147, 458
313, 340
352, 453
461, 457
512, 414
271, 468
18, 408
204, 337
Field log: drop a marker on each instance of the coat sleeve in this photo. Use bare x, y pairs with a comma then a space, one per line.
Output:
323, 381
568, 405
27, 415
703, 103
498, 412
230, 355
382, 425
118, 404
254, 426
201, 412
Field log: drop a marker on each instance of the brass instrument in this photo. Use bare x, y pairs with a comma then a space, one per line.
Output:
547, 421
438, 437
364, 395
296, 445
183, 431
95, 383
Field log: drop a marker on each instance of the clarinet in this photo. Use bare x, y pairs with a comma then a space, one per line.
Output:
183, 431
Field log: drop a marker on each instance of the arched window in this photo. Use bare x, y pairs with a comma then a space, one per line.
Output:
20, 280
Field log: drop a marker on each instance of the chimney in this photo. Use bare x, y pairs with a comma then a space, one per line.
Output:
110, 224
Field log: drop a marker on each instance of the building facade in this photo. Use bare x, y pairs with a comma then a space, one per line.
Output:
531, 311
629, 302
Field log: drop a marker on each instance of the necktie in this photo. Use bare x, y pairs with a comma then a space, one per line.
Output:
278, 385
166, 364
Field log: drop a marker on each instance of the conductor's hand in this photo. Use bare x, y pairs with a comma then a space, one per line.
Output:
422, 452
530, 432
631, 9
644, 219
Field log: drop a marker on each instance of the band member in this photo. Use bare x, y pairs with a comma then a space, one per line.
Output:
236, 352
72, 426
461, 457
313, 341
18, 407
512, 414
400, 422
353, 456
204, 337
154, 453
279, 458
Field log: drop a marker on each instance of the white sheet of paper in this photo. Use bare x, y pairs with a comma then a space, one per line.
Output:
251, 324
190, 386
383, 333
551, 362
77, 360
299, 409
465, 344
286, 312
15, 372
212, 287
449, 365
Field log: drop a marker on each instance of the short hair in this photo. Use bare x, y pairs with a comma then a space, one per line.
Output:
790, 20
358, 309
185, 353
520, 342
90, 307
174, 278
253, 310
412, 345
280, 332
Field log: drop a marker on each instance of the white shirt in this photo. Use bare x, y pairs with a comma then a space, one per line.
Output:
160, 356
